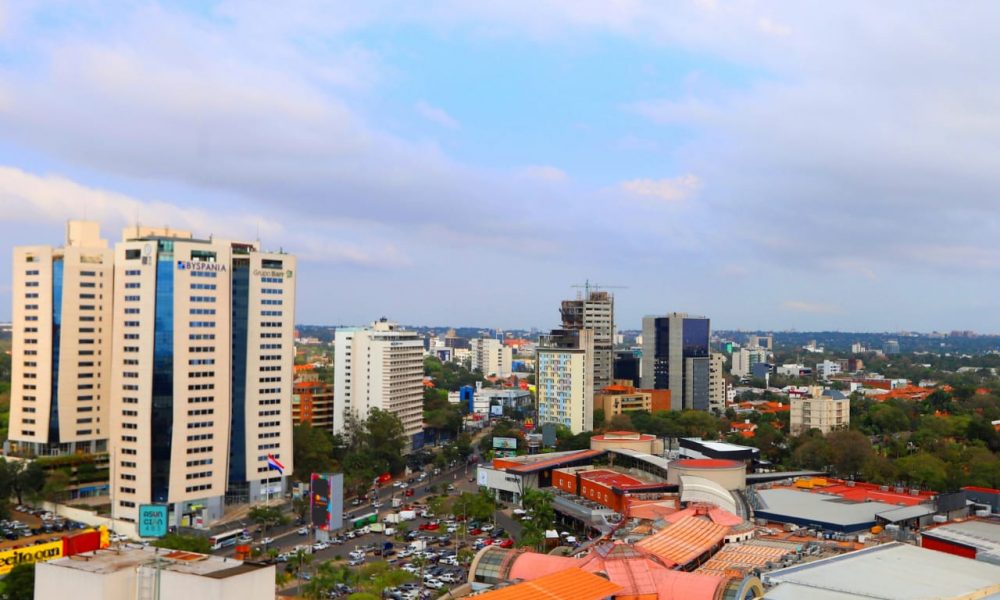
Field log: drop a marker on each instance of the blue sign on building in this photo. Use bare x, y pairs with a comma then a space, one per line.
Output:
152, 520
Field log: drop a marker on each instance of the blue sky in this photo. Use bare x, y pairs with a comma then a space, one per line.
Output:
772, 165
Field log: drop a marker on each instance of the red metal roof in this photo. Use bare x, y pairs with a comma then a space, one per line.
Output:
707, 463
610, 478
554, 462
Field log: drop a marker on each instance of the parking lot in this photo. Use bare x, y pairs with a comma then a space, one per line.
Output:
28, 526
439, 556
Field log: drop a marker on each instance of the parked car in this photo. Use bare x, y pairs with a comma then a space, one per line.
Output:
303, 531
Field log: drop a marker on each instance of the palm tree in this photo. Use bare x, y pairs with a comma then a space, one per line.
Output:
299, 560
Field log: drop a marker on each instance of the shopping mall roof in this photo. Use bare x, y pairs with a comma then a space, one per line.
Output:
684, 541
860, 491
984, 536
700, 489
567, 584
699, 448
707, 463
810, 509
905, 513
744, 557
640, 574
893, 571
533, 463
642, 456
610, 478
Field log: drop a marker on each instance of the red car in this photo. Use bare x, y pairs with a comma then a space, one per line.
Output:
487, 542
430, 526
408, 492
473, 531
507, 543
423, 527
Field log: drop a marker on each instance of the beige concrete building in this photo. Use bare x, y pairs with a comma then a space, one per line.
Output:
564, 379
825, 410
202, 379
745, 358
61, 354
491, 357
380, 366
595, 310
717, 384
134, 573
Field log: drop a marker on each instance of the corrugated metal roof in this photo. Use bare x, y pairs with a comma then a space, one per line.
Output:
684, 541
906, 513
568, 584
894, 571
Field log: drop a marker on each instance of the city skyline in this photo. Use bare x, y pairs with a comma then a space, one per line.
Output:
753, 164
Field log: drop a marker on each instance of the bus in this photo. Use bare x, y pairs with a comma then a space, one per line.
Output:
366, 519
224, 540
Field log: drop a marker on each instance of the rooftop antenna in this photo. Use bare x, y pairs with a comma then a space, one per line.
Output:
587, 286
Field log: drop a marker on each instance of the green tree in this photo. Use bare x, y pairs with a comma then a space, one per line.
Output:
599, 417
540, 518
886, 418
850, 451
312, 451
187, 543
19, 584
267, 516
924, 470
813, 453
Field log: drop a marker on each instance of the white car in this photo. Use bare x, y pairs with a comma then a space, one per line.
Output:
447, 578
303, 531
266, 541
451, 529
397, 484
320, 546
486, 527
433, 584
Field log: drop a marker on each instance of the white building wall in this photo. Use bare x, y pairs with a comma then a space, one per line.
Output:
84, 349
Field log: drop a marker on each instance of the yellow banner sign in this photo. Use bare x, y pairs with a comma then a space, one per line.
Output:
32, 554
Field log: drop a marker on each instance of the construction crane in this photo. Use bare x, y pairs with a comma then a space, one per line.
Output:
587, 286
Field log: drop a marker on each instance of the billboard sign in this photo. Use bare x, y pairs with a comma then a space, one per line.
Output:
505, 443
326, 501
152, 520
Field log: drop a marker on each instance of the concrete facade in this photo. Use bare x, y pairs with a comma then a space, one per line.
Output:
61, 355
380, 366
202, 378
132, 573
564, 379
491, 357
595, 311
825, 410
717, 384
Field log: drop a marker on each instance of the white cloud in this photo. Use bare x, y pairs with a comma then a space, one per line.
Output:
436, 115
773, 28
810, 307
670, 190
546, 173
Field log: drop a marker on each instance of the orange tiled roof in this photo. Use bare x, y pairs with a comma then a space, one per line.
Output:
684, 541
568, 584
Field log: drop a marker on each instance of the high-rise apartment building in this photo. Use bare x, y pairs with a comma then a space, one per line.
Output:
745, 358
717, 382
61, 353
675, 350
312, 399
595, 311
202, 380
564, 375
491, 357
380, 366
